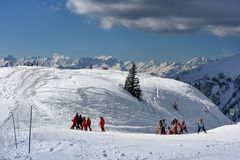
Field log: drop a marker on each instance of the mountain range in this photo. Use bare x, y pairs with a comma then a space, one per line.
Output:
165, 69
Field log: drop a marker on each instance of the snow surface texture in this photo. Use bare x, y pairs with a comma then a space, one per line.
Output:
56, 95
51, 143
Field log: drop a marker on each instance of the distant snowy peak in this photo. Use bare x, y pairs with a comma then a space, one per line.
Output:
165, 69
105, 62
104, 58
159, 69
228, 66
8, 61
197, 61
64, 62
171, 69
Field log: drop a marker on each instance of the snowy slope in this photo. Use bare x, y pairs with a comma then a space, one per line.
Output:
220, 81
51, 143
56, 95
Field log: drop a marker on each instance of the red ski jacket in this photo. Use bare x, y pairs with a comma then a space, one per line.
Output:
102, 122
88, 122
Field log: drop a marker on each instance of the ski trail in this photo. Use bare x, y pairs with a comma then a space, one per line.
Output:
27, 96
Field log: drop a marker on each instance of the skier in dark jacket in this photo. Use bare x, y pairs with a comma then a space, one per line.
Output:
174, 122
74, 120
79, 122
164, 125
201, 125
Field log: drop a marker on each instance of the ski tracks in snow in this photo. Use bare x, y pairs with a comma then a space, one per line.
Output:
26, 94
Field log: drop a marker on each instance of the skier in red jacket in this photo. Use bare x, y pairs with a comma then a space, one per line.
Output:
102, 123
89, 124
84, 123
74, 120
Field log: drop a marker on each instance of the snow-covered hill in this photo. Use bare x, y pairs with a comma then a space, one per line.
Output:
220, 81
56, 95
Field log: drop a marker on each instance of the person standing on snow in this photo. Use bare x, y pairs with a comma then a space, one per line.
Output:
101, 124
159, 127
164, 125
79, 122
84, 123
183, 127
169, 131
174, 126
174, 122
201, 125
89, 124
74, 120
179, 128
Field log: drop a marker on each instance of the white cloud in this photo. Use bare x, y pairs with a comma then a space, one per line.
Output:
223, 31
218, 17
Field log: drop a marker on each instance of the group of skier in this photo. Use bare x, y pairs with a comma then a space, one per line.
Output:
83, 123
177, 127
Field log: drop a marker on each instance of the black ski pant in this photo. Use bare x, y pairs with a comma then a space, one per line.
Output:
89, 128
163, 130
199, 128
185, 129
78, 127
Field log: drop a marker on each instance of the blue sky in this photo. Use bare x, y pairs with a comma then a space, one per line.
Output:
44, 27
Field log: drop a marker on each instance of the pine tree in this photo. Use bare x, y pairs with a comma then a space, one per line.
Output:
132, 83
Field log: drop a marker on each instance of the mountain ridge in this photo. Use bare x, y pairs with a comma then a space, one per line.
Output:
162, 69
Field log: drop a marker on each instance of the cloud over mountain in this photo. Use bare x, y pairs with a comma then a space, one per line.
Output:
220, 17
